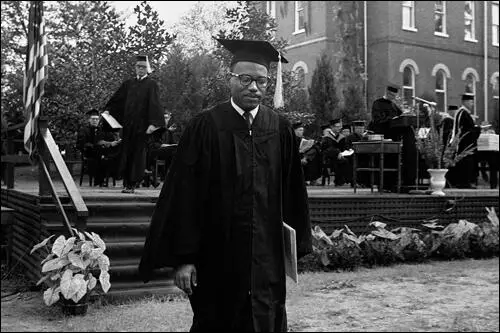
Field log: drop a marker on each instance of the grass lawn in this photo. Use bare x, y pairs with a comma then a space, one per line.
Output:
435, 296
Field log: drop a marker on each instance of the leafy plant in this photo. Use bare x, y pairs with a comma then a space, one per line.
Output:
70, 265
439, 152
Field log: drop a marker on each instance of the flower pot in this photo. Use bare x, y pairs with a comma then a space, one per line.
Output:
437, 181
71, 308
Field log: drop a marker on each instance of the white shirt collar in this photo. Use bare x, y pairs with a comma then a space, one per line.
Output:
241, 111
141, 78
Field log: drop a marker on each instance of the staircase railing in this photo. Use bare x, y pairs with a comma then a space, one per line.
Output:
48, 150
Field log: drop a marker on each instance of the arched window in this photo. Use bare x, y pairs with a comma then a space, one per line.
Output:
470, 88
300, 70
300, 76
409, 86
441, 91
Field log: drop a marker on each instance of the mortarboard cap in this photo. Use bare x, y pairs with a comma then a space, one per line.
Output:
260, 52
141, 57
325, 126
297, 125
92, 112
452, 107
335, 121
358, 123
346, 127
466, 97
392, 88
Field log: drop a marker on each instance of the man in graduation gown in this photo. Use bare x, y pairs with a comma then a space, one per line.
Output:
464, 173
136, 105
235, 178
383, 110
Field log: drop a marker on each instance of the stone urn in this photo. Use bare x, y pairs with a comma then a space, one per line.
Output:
437, 181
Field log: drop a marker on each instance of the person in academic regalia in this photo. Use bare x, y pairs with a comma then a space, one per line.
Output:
383, 110
310, 155
218, 221
136, 106
87, 143
465, 172
333, 144
109, 145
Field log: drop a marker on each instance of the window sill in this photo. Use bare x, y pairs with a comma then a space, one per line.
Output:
410, 29
441, 34
470, 40
494, 44
296, 32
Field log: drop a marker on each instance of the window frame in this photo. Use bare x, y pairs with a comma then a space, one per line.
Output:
443, 33
298, 29
474, 89
473, 24
411, 7
412, 87
443, 91
495, 27
271, 9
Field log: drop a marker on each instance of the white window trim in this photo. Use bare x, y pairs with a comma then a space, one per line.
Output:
440, 34
443, 67
493, 78
444, 91
296, 23
493, 4
412, 87
271, 8
474, 88
403, 26
410, 62
443, 33
473, 28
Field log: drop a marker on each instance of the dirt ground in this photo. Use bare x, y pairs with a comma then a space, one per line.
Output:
436, 296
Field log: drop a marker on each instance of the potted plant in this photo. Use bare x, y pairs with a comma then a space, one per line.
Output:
72, 269
439, 152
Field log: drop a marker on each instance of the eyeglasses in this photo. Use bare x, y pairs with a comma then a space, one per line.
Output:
246, 80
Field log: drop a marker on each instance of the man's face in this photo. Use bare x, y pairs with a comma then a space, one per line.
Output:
94, 121
336, 128
345, 132
167, 117
247, 97
469, 104
390, 95
359, 129
141, 68
299, 132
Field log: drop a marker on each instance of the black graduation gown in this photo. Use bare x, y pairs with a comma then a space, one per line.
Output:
136, 105
221, 208
465, 171
383, 110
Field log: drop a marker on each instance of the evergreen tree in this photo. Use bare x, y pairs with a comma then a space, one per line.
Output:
322, 94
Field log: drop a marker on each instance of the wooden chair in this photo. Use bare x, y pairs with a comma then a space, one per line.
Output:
374, 149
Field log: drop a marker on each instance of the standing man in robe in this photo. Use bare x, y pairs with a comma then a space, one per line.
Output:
136, 105
383, 110
465, 172
235, 178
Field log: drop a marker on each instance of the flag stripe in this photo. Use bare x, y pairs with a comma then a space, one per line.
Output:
35, 75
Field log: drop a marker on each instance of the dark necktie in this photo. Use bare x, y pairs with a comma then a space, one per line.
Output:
248, 117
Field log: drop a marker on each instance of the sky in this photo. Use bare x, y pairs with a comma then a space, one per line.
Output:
169, 11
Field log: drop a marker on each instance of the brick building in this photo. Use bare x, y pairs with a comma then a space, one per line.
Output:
430, 48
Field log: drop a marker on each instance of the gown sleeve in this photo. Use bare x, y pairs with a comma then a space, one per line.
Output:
295, 202
174, 233
116, 104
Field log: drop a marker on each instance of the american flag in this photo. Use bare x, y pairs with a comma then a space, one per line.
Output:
35, 75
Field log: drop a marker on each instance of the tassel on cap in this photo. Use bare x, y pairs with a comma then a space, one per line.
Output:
278, 92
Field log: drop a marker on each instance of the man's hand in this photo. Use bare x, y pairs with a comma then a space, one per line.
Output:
340, 156
151, 129
185, 277
303, 161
